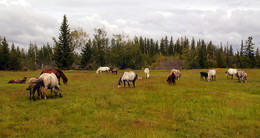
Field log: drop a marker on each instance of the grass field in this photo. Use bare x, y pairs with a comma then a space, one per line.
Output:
92, 105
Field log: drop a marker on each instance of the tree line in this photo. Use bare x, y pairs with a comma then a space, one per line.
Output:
76, 50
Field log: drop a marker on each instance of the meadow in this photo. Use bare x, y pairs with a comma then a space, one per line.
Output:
93, 106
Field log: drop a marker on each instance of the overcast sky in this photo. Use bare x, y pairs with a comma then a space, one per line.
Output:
22, 21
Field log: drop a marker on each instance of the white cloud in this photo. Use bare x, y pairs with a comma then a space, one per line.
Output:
227, 21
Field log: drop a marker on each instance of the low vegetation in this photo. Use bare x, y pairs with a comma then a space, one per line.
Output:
92, 105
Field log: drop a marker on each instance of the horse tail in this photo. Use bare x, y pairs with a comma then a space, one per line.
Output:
136, 76
41, 73
39, 82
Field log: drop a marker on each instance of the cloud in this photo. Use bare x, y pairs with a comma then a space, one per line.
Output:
215, 20
20, 23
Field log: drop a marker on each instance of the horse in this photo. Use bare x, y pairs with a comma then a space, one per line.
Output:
18, 81
231, 72
241, 76
212, 75
203, 74
58, 73
146, 72
103, 69
176, 72
171, 78
128, 76
49, 81
113, 70
33, 87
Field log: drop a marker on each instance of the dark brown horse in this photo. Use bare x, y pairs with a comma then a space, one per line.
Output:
58, 73
113, 70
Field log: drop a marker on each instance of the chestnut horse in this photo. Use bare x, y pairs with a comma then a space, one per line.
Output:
58, 73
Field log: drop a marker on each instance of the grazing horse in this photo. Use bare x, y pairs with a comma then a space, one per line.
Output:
113, 70
242, 76
146, 72
48, 81
171, 79
33, 87
58, 73
103, 69
203, 74
212, 75
128, 76
18, 81
231, 72
176, 72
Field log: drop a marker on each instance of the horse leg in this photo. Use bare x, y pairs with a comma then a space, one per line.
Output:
39, 93
134, 84
45, 89
128, 84
30, 93
51, 94
124, 83
59, 80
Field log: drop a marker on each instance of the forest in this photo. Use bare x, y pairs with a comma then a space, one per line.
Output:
77, 50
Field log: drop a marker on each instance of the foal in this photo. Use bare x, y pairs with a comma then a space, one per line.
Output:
203, 74
18, 81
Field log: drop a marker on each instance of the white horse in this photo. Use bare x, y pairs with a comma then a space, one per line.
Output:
102, 69
176, 72
242, 76
212, 74
49, 81
128, 76
231, 72
146, 72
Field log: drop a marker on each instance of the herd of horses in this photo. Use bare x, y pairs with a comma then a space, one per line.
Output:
211, 75
50, 79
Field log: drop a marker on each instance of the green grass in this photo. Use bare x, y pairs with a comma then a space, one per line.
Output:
92, 105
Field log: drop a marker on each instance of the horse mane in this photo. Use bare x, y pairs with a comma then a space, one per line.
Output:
120, 79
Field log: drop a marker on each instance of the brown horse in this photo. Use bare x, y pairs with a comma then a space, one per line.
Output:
58, 73
18, 81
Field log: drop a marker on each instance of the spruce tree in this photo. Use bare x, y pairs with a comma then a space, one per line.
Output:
86, 56
14, 63
5, 56
249, 52
171, 46
64, 50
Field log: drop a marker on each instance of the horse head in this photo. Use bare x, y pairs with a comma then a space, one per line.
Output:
119, 82
65, 81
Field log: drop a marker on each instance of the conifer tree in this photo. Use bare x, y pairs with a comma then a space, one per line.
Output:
5, 56
249, 52
64, 50
14, 62
86, 56
171, 46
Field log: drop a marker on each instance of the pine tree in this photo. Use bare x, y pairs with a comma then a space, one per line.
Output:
249, 52
14, 63
171, 46
64, 50
162, 47
86, 56
5, 56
